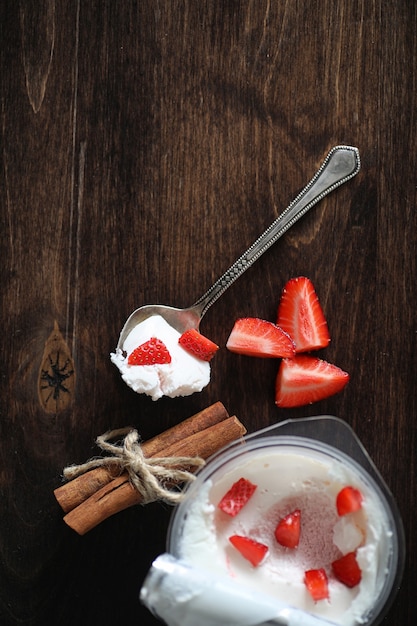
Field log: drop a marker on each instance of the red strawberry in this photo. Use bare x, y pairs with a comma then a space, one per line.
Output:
287, 532
317, 584
306, 379
348, 500
150, 353
251, 550
301, 316
347, 570
198, 345
237, 496
260, 338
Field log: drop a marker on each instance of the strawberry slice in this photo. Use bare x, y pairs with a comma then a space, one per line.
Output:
287, 532
317, 584
253, 551
306, 379
347, 570
237, 496
348, 500
259, 338
301, 316
198, 345
151, 352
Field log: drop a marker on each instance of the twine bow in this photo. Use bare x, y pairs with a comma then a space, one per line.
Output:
150, 476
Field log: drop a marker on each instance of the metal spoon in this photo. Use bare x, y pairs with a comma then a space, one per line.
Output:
340, 165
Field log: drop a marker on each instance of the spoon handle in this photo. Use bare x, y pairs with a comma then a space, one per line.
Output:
341, 164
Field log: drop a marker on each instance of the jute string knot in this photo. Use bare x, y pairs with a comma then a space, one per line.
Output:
151, 477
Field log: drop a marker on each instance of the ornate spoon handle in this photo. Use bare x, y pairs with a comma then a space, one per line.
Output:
341, 164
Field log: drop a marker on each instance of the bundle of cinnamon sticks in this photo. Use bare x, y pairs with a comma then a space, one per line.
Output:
103, 491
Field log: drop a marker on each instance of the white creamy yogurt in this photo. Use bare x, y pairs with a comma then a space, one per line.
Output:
185, 374
289, 479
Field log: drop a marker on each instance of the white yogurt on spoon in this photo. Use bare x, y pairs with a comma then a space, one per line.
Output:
183, 376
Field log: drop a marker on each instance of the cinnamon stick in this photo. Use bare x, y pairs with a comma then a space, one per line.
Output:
76, 491
119, 494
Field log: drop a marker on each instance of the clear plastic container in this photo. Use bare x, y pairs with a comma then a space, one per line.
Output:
327, 439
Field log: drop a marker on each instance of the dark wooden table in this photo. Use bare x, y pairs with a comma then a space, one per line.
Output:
144, 146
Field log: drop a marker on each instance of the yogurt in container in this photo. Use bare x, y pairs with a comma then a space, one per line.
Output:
269, 516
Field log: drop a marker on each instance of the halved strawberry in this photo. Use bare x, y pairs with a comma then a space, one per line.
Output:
253, 551
347, 570
237, 496
301, 316
151, 352
198, 345
348, 500
317, 584
287, 532
306, 379
259, 338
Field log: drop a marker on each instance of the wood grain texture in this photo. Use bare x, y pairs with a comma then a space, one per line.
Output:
144, 146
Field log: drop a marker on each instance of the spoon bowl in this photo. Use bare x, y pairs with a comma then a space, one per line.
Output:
341, 164
180, 319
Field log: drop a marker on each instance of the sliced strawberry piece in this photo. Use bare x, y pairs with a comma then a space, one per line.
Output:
259, 338
287, 532
317, 584
237, 496
151, 352
347, 570
306, 379
198, 345
348, 500
253, 551
301, 316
